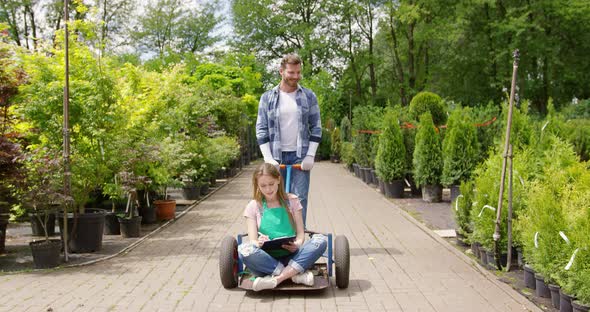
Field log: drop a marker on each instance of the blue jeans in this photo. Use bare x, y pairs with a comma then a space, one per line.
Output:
299, 180
260, 263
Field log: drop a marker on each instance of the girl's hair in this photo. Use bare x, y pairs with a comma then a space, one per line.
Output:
271, 170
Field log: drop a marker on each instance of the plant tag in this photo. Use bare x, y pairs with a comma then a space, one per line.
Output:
519, 177
457, 202
474, 204
484, 207
569, 264
407, 183
564, 237
537, 240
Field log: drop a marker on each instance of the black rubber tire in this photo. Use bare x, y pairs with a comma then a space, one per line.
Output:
228, 262
342, 261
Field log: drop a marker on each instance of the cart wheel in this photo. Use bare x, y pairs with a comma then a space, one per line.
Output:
342, 261
228, 262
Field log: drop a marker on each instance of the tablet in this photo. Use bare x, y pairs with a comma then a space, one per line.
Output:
277, 242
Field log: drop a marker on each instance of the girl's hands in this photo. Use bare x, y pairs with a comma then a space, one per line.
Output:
261, 239
292, 246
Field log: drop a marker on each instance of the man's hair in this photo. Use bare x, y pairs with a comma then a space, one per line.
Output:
290, 58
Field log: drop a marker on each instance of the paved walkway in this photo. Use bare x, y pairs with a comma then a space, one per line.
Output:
397, 264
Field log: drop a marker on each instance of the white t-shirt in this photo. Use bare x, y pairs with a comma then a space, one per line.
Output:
288, 121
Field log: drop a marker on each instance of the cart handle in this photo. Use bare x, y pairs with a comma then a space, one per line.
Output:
296, 166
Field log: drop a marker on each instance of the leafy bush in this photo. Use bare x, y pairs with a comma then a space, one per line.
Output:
428, 153
462, 208
390, 162
460, 148
325, 148
347, 153
336, 142
345, 130
365, 118
428, 102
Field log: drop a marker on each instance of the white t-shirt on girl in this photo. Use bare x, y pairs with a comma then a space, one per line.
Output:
253, 208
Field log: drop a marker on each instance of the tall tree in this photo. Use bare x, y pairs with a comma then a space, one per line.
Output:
196, 28
112, 17
156, 27
274, 28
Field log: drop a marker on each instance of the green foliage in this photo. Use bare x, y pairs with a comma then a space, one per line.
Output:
325, 148
346, 130
390, 162
427, 159
556, 202
462, 208
428, 102
347, 153
460, 147
336, 142
365, 118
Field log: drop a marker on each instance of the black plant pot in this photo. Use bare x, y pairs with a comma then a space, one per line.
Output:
130, 227
541, 289
529, 277
191, 192
374, 179
355, 168
554, 290
579, 307
492, 264
204, 190
565, 302
111, 224
148, 214
461, 239
394, 189
37, 224
87, 235
483, 255
475, 249
366, 174
432, 193
381, 187
46, 253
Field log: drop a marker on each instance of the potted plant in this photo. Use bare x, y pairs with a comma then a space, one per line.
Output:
460, 150
130, 221
365, 120
428, 102
11, 76
428, 160
336, 145
390, 162
41, 190
462, 211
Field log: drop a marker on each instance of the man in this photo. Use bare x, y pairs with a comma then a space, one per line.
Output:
288, 128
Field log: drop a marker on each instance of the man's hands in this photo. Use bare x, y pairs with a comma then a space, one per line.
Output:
266, 153
307, 163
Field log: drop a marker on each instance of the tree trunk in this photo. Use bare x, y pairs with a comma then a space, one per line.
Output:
411, 67
398, 67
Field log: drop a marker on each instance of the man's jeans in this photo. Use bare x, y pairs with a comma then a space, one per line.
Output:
260, 263
299, 180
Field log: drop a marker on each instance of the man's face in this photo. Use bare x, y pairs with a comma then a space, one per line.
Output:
291, 74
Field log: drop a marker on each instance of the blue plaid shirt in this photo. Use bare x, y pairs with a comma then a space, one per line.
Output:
308, 115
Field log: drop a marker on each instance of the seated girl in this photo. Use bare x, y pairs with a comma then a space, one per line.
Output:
271, 214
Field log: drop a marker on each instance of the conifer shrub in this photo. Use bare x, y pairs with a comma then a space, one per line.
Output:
390, 162
428, 102
460, 148
427, 160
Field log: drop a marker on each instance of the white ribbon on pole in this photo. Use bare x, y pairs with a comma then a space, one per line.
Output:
484, 207
569, 264
564, 237
537, 240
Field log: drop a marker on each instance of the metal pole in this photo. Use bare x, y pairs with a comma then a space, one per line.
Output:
66, 133
496, 235
509, 220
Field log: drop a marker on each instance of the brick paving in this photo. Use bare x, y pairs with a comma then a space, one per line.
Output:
397, 264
